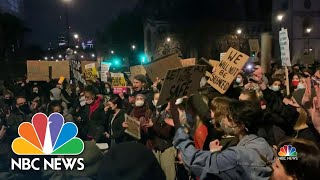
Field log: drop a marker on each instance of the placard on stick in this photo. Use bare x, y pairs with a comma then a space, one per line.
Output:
181, 82
227, 70
158, 67
133, 127
119, 83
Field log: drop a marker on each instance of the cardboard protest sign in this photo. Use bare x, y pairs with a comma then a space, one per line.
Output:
135, 70
254, 45
214, 63
133, 127
104, 71
119, 83
158, 68
60, 68
76, 71
91, 72
284, 47
222, 55
37, 70
188, 62
181, 82
227, 70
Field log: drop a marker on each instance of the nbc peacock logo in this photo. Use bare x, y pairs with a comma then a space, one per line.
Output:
288, 152
47, 136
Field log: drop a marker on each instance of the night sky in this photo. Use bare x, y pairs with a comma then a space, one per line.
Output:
85, 16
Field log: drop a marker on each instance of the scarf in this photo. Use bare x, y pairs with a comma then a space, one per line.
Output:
93, 107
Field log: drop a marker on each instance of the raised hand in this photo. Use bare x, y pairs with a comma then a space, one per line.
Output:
307, 94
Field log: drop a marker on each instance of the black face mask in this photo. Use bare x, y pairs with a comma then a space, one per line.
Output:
25, 109
111, 111
8, 101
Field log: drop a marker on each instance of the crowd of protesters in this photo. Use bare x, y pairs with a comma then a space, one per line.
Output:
205, 136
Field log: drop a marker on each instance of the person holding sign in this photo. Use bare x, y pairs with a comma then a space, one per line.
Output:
143, 113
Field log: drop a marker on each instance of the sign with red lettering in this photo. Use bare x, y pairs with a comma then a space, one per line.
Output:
227, 70
181, 82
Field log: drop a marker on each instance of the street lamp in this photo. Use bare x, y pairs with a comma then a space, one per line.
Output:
93, 55
168, 39
112, 52
239, 31
308, 30
76, 36
75, 52
46, 58
279, 17
77, 47
82, 56
60, 56
133, 47
51, 57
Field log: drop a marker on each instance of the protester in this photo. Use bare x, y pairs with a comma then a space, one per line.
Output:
56, 107
115, 131
20, 113
161, 137
234, 162
143, 113
93, 114
305, 167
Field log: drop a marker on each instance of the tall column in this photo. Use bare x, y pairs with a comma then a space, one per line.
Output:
266, 47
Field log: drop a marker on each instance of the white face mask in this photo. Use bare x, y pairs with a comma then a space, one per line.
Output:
275, 88
82, 103
77, 89
51, 99
139, 103
301, 86
238, 80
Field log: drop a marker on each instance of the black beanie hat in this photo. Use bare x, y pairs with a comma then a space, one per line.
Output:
130, 161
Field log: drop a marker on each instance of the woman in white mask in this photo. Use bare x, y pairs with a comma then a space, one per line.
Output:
275, 85
143, 113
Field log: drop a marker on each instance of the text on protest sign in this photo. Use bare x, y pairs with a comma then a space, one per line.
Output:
133, 127
181, 82
158, 68
227, 70
119, 83
284, 47
91, 72
104, 71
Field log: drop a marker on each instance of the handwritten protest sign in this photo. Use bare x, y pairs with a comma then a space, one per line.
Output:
181, 82
91, 72
157, 68
133, 127
135, 70
214, 63
254, 45
119, 83
284, 47
104, 71
188, 62
227, 70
